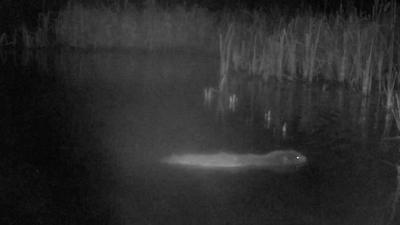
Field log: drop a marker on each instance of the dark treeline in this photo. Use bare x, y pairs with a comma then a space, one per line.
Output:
14, 13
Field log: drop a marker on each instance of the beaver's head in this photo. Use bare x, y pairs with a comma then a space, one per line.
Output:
287, 160
291, 157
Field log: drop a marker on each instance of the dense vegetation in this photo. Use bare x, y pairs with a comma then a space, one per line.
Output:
344, 45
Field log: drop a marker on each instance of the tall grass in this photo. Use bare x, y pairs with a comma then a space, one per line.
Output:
225, 52
396, 110
395, 198
356, 50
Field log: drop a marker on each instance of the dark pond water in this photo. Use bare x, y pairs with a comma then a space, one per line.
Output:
83, 135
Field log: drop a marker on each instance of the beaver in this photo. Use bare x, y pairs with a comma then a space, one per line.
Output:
278, 160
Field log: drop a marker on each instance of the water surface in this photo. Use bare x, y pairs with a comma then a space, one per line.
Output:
83, 136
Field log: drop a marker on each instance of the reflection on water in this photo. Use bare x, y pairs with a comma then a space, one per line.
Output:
83, 134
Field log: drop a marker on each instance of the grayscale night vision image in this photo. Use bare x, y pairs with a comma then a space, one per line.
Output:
199, 112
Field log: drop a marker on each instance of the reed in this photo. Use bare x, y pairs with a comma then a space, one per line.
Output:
391, 79
280, 56
379, 70
225, 51
342, 60
396, 110
353, 49
395, 199
291, 57
366, 76
313, 52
